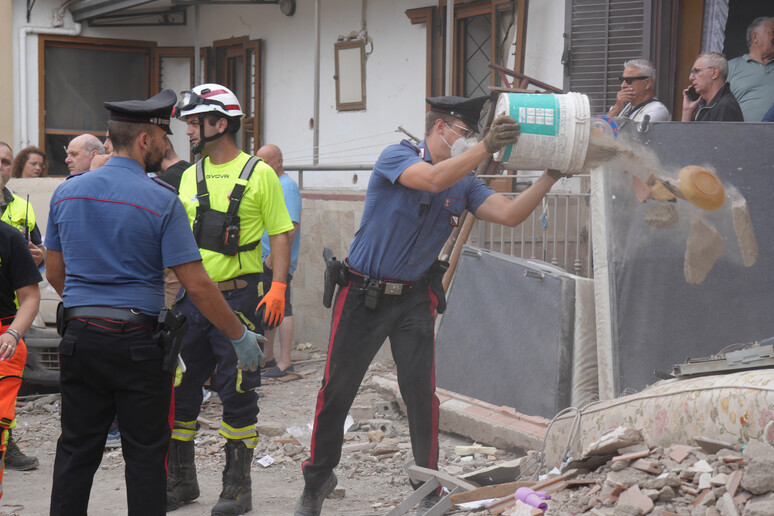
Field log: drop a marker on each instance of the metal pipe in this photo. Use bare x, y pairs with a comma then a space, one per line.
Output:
362, 166
197, 49
316, 130
449, 44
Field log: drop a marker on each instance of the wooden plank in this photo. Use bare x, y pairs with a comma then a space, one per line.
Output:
487, 492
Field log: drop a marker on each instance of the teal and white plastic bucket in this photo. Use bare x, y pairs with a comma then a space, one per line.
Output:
555, 131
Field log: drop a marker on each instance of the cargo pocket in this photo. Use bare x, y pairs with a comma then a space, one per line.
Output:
67, 347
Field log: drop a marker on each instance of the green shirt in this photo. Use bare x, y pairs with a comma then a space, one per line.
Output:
262, 208
753, 86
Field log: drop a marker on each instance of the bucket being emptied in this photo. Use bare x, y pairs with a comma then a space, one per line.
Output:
555, 131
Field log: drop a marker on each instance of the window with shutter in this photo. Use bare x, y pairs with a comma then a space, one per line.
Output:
601, 36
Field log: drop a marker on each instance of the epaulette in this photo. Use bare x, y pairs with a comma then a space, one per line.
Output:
419, 150
165, 184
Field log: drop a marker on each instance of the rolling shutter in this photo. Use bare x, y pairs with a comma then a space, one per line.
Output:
601, 36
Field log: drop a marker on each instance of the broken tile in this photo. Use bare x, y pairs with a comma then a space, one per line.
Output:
648, 466
700, 466
679, 452
632, 455
734, 479
635, 498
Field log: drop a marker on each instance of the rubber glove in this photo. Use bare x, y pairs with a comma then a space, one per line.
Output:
504, 131
249, 352
271, 309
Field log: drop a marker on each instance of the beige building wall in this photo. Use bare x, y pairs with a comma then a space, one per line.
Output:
6, 68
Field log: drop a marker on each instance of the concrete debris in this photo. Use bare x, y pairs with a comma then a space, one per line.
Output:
614, 440
475, 448
698, 484
712, 445
759, 451
702, 250
744, 232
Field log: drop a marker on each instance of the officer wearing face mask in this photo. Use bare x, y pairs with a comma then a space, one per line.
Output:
389, 283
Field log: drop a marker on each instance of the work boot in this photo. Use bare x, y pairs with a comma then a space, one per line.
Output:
237, 495
15, 459
182, 486
310, 503
427, 503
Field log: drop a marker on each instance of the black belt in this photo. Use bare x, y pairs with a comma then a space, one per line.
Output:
125, 315
386, 287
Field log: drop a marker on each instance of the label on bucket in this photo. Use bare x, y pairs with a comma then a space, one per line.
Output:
537, 114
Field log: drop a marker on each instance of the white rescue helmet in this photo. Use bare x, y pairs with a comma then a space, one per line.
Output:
207, 98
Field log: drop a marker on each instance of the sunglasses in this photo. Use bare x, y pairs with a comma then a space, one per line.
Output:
630, 80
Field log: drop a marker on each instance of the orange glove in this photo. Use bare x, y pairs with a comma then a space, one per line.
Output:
271, 308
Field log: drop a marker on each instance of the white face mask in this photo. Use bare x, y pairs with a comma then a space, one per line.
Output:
461, 145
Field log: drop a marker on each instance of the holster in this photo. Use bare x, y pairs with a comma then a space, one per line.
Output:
61, 324
169, 335
435, 277
333, 272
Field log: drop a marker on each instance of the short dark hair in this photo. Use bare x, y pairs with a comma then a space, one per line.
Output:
124, 134
7, 146
234, 123
432, 116
22, 158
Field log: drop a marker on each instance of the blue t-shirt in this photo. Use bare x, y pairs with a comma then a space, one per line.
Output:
293, 204
402, 229
117, 230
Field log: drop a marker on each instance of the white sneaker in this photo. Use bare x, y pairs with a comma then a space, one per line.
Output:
206, 395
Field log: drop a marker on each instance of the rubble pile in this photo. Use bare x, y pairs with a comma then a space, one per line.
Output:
709, 479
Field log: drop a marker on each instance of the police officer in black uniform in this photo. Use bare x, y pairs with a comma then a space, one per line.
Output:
111, 232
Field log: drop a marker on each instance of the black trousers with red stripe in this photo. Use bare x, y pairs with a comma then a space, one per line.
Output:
357, 333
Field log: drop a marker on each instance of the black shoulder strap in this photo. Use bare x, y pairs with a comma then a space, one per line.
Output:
201, 187
241, 184
236, 194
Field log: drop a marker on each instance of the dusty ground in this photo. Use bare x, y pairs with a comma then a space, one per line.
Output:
371, 481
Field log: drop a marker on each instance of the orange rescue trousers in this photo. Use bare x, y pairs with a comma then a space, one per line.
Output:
10, 380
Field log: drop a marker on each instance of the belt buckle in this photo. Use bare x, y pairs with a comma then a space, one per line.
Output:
393, 289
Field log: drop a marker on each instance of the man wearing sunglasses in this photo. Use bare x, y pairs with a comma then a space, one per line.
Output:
715, 103
637, 96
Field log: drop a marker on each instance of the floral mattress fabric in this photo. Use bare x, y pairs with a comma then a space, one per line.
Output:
732, 407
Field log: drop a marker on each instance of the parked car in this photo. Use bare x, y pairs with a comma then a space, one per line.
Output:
42, 368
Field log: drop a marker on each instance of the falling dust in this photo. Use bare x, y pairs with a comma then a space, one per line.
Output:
662, 211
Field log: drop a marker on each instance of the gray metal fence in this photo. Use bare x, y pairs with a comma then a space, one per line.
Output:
558, 231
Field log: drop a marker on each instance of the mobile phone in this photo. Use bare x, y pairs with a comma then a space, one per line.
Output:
691, 94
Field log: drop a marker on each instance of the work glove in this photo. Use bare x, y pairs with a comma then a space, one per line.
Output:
249, 353
271, 309
556, 174
503, 131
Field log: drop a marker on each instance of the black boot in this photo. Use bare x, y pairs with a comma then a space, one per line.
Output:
182, 486
311, 501
237, 494
15, 459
